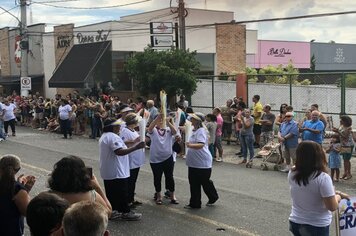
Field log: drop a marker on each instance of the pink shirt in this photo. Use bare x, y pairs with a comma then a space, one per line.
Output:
219, 122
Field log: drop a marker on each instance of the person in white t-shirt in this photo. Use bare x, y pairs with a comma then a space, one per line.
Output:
137, 158
312, 192
8, 116
2, 135
65, 112
115, 168
161, 156
199, 162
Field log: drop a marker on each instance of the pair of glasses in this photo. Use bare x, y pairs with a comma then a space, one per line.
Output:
288, 116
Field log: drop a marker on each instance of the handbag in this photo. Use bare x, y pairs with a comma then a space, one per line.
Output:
345, 150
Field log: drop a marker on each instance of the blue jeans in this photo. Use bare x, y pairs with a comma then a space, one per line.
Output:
96, 127
247, 144
307, 230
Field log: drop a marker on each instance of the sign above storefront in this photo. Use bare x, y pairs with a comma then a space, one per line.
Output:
162, 40
93, 38
279, 52
161, 28
64, 41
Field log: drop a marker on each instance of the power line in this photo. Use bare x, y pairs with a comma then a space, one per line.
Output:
277, 19
92, 8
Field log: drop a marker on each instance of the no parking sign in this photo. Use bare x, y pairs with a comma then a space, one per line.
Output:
25, 83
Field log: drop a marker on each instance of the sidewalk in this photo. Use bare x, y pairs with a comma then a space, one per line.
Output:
230, 157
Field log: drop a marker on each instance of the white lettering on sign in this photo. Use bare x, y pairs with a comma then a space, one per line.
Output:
339, 58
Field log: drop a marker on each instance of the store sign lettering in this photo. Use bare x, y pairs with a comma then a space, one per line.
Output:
278, 52
63, 41
100, 36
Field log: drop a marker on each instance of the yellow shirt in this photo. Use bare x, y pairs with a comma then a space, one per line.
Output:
257, 108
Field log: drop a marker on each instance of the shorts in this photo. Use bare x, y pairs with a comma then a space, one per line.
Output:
347, 156
257, 129
227, 129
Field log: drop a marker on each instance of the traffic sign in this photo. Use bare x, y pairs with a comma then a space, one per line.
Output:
25, 83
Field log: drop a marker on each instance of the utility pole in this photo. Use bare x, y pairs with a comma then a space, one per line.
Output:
181, 16
24, 43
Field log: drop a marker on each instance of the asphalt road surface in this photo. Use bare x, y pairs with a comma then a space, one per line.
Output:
252, 202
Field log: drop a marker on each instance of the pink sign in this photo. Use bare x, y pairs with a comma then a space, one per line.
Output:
281, 53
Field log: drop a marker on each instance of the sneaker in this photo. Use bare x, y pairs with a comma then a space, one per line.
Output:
211, 202
285, 169
131, 216
189, 207
219, 159
238, 153
1, 139
115, 215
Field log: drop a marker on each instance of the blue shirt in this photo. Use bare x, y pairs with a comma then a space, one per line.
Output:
317, 125
290, 127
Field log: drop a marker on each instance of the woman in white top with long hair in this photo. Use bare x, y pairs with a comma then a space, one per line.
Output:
199, 162
312, 192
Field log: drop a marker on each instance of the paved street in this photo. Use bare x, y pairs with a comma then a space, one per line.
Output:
252, 202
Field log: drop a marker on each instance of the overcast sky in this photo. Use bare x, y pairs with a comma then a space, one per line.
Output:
341, 29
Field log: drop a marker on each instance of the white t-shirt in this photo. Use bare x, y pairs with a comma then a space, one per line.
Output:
137, 158
112, 166
307, 201
8, 111
199, 158
64, 111
161, 145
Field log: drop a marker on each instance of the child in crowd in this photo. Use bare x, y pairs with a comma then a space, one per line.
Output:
211, 126
334, 157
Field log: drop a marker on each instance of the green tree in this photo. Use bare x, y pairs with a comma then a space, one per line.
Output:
350, 81
171, 70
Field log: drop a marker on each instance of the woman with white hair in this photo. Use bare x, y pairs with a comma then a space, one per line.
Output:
199, 162
14, 196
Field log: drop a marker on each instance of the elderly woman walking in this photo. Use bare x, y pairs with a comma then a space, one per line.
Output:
199, 162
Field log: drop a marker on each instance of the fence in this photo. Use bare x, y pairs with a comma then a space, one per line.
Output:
333, 92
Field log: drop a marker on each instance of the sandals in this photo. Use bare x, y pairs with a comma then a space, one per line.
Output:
174, 201
159, 201
347, 177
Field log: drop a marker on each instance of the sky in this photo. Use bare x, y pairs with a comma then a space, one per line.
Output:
340, 29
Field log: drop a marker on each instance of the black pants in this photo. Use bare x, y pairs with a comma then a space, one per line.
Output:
12, 125
117, 193
167, 168
132, 183
197, 178
65, 127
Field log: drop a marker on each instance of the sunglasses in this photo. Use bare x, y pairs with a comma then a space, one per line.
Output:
288, 116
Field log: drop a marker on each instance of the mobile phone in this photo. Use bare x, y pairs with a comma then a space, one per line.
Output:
90, 171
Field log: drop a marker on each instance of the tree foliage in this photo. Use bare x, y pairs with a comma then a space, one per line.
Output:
171, 70
350, 81
278, 75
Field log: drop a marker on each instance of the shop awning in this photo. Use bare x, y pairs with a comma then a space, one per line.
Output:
78, 65
8, 80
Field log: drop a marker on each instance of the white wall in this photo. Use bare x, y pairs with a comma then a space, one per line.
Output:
49, 64
327, 97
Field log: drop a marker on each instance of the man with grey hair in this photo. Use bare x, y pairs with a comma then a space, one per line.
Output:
85, 218
152, 110
313, 129
288, 138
